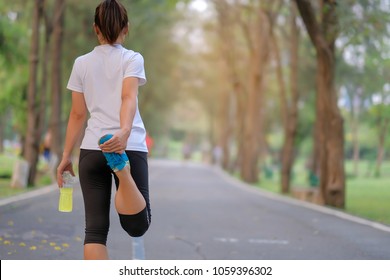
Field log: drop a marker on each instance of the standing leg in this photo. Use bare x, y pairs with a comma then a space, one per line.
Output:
96, 183
95, 251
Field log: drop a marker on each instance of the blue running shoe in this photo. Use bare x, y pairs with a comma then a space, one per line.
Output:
114, 160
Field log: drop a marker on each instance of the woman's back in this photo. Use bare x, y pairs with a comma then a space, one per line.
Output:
99, 76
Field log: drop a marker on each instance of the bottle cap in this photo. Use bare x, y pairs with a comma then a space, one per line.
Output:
69, 180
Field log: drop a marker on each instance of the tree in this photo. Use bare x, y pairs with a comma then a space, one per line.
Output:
289, 104
152, 32
44, 71
362, 44
13, 65
251, 24
31, 150
36, 102
235, 94
380, 117
257, 32
323, 34
56, 108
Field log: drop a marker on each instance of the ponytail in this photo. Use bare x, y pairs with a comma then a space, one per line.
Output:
111, 18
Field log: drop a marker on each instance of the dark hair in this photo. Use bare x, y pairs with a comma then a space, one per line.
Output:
111, 18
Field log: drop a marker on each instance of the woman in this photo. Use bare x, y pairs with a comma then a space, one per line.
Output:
104, 83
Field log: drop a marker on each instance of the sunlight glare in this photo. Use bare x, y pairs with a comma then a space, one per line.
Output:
199, 5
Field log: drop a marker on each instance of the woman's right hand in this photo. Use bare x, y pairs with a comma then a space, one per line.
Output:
65, 165
118, 142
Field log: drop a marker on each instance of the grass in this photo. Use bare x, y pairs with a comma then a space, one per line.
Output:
6, 190
367, 196
6, 167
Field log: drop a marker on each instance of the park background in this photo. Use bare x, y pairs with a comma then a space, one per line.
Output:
290, 96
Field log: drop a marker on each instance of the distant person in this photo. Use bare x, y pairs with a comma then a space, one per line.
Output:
149, 143
186, 151
47, 146
217, 155
104, 83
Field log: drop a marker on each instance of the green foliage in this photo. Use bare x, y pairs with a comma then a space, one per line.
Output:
379, 117
363, 20
363, 44
379, 112
152, 24
13, 67
363, 69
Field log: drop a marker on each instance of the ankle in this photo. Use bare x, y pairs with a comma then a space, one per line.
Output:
124, 170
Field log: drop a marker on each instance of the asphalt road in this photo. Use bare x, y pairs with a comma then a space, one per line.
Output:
198, 212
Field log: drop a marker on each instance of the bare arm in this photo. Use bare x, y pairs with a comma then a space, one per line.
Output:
77, 117
118, 142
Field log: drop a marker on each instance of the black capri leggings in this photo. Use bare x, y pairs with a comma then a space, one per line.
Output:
96, 184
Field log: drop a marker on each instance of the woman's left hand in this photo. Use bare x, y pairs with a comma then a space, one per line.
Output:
65, 165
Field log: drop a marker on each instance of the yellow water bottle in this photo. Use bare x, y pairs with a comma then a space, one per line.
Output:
66, 192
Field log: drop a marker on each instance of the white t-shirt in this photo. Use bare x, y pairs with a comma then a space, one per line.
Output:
99, 76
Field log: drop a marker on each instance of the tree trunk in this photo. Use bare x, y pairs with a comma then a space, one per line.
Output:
227, 53
230, 57
323, 36
251, 149
240, 123
44, 78
314, 166
2, 128
32, 140
259, 47
56, 124
381, 146
356, 97
356, 149
356, 146
225, 122
332, 180
290, 109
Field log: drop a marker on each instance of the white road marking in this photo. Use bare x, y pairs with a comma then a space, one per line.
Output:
138, 248
252, 241
226, 240
268, 241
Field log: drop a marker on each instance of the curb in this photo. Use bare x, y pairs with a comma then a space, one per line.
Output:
28, 195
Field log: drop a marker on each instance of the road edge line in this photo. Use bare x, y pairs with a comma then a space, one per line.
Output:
27, 195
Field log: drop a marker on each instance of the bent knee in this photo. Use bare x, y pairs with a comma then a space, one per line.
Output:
135, 225
137, 231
